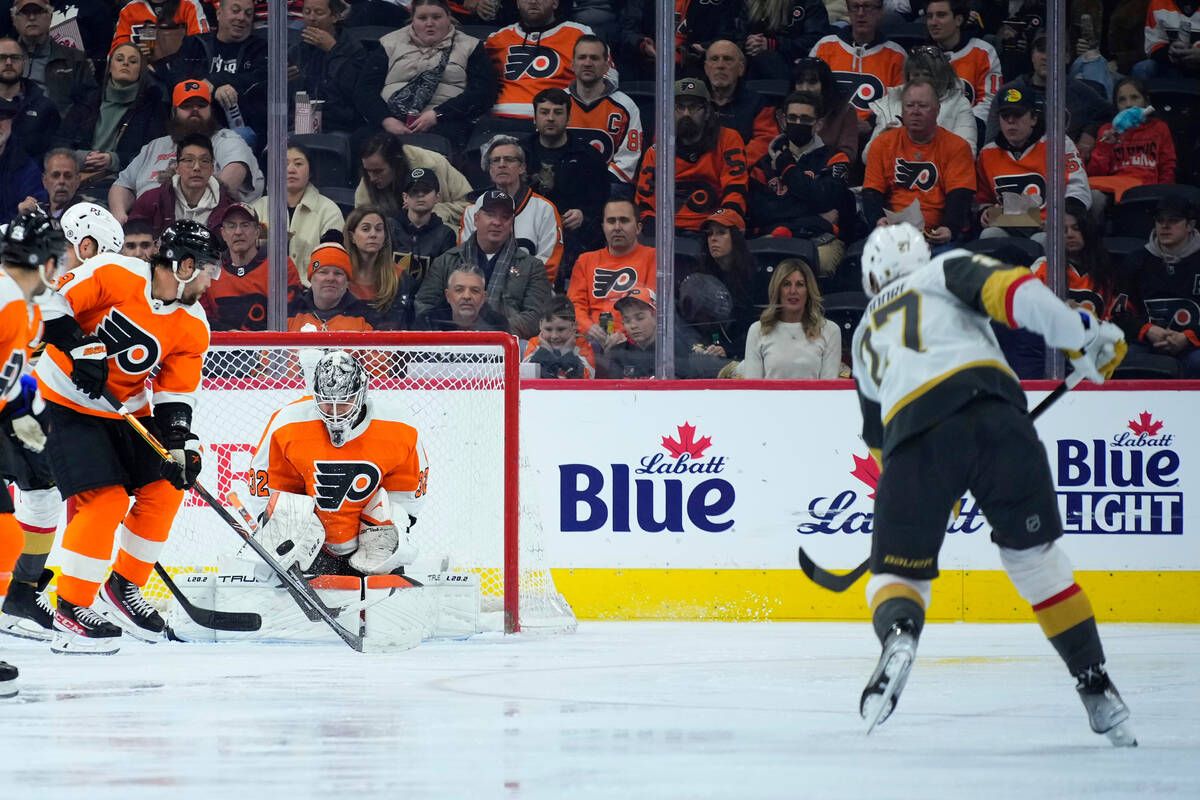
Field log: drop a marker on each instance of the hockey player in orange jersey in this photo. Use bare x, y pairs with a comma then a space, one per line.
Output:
29, 251
115, 323
338, 477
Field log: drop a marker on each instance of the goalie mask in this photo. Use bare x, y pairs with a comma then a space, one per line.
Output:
340, 392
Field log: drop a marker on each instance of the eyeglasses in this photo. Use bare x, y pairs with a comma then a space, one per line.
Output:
12, 57
192, 162
504, 159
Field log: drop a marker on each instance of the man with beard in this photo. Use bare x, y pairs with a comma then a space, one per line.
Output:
710, 163
605, 118
237, 298
60, 177
115, 324
37, 118
19, 176
236, 167
465, 307
64, 73
192, 193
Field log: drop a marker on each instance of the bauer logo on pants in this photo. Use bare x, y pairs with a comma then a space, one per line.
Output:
335, 482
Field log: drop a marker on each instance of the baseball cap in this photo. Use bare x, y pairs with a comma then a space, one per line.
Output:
640, 294
498, 200
1016, 100
243, 208
8, 109
692, 87
1174, 206
330, 255
21, 4
186, 90
727, 217
423, 176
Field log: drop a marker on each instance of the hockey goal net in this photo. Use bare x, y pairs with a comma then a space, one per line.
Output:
459, 390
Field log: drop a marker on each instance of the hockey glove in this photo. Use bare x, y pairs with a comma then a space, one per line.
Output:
89, 370
183, 470
25, 411
1103, 349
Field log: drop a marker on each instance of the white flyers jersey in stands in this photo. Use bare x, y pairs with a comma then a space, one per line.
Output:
295, 455
612, 125
978, 65
1163, 22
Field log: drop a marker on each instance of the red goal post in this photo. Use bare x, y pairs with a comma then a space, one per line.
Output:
460, 390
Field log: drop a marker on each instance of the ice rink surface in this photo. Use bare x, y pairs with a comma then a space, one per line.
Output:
616, 710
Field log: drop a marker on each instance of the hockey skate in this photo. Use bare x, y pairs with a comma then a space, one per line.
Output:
8, 681
120, 602
882, 692
79, 629
27, 613
1106, 711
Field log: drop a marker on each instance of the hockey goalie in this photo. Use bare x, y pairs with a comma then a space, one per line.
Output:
336, 486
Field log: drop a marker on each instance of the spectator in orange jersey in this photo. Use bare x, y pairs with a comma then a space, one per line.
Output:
601, 276
558, 349
605, 118
738, 106
1169, 55
140, 23
973, 59
864, 62
710, 163
920, 161
328, 305
1134, 149
236, 300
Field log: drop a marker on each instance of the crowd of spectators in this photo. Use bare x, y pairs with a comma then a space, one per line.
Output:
490, 164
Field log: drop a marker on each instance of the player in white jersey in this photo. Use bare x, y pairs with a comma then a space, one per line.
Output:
944, 414
89, 231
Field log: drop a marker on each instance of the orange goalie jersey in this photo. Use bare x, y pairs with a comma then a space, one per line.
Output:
109, 296
20, 334
296, 456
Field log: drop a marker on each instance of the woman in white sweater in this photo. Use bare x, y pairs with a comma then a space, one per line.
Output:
792, 339
955, 113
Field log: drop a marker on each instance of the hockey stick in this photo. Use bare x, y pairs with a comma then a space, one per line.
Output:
207, 617
840, 583
304, 595
232, 499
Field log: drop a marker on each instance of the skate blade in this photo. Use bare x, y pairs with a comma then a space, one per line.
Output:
128, 627
878, 707
24, 629
9, 690
74, 648
1121, 735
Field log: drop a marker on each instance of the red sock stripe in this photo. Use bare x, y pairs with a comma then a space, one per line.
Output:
35, 529
1069, 592
1008, 298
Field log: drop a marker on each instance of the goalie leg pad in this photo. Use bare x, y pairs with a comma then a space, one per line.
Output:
293, 533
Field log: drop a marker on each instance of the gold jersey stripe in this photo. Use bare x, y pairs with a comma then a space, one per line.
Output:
994, 293
932, 382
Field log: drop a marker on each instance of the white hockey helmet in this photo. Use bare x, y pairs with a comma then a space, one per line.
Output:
88, 219
340, 392
890, 253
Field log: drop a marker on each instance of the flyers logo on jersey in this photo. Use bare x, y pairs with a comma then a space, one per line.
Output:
134, 349
613, 281
531, 60
863, 88
920, 176
1030, 184
336, 482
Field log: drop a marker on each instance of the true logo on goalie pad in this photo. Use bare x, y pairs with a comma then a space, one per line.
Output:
335, 482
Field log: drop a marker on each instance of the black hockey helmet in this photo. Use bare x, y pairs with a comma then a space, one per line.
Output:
184, 238
30, 240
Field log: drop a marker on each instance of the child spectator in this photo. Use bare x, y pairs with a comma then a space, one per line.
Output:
558, 348
1135, 148
386, 164
419, 232
793, 340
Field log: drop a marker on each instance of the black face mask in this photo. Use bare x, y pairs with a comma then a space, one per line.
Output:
798, 134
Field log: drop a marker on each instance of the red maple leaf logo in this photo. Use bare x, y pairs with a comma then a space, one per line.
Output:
687, 443
867, 471
1145, 424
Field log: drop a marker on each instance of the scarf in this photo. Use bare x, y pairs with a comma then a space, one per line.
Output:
502, 263
117, 101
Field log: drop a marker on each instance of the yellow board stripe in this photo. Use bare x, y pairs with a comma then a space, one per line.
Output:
1064, 615
994, 293
929, 384
896, 590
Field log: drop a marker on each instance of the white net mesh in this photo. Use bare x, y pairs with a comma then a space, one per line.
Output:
451, 387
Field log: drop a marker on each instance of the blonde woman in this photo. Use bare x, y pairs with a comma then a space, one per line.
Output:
792, 339
379, 278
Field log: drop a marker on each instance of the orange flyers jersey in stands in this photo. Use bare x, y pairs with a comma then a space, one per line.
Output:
904, 171
109, 296
978, 64
716, 179
20, 334
530, 61
599, 279
863, 73
236, 300
1001, 171
1163, 21
381, 452
138, 17
1082, 291
612, 125
581, 348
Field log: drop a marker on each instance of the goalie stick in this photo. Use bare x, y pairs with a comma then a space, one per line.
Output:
840, 583
207, 617
304, 595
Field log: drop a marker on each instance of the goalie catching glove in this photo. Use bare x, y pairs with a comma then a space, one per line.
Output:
292, 531
175, 420
1103, 349
382, 546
